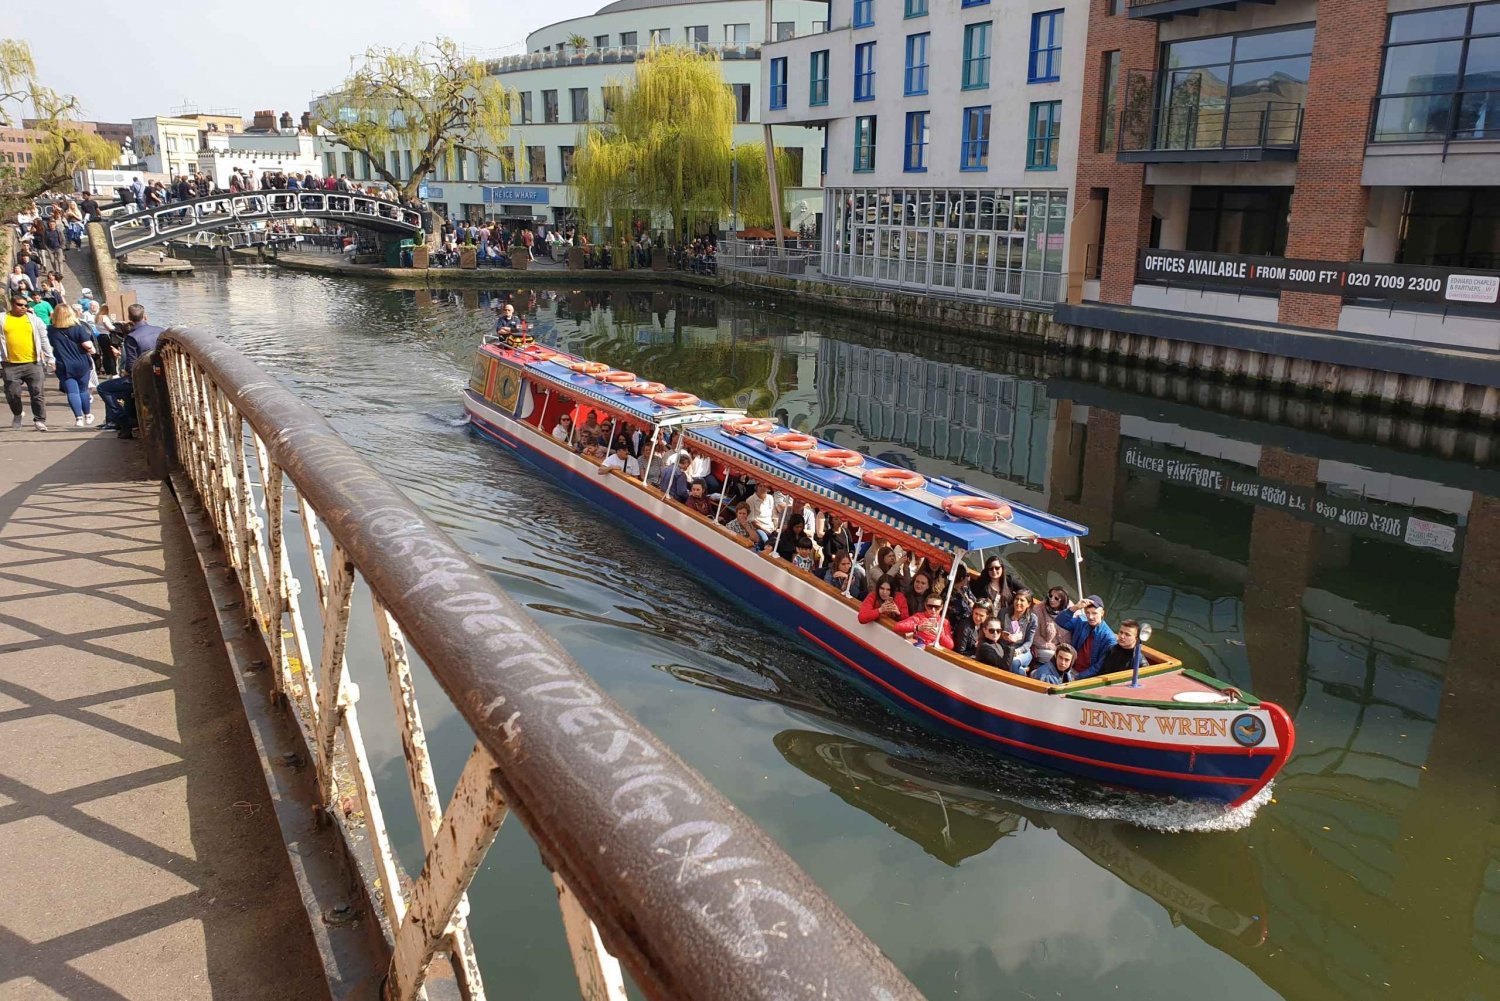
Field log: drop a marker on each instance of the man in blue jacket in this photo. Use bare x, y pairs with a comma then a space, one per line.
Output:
1089, 634
119, 394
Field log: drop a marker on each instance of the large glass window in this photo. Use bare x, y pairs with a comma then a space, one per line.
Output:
578, 97
864, 13
601, 41
661, 36
778, 82
782, 30
549, 107
697, 34
741, 92
1042, 134
817, 76
976, 55
976, 144
526, 118
917, 136
1109, 99
864, 143
864, 71
565, 157
916, 64
1046, 47
1238, 220
536, 164
1451, 227
1234, 90
735, 34
1441, 78
916, 8
627, 40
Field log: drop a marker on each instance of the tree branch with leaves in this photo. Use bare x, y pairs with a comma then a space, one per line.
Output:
431, 99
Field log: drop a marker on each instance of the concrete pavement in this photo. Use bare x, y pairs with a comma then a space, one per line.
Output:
141, 857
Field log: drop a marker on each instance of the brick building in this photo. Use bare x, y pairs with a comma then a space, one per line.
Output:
1323, 164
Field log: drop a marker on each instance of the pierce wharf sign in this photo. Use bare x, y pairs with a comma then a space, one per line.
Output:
1355, 280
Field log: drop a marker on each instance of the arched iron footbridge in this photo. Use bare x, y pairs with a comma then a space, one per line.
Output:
176, 220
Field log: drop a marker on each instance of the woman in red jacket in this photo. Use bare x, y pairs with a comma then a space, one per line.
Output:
884, 602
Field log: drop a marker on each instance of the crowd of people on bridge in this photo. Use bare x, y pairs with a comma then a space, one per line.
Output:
147, 195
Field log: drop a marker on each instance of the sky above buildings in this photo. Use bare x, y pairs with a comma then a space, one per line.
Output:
231, 56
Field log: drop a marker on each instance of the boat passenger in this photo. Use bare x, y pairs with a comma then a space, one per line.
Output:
623, 461
674, 479
995, 584
846, 575
1089, 634
563, 429
589, 432
509, 327
792, 535
961, 604
884, 602
1020, 629
741, 525
991, 649
968, 633
699, 500
920, 589
701, 470
804, 557
1057, 671
1121, 656
595, 452
765, 508
835, 537
1047, 632
928, 627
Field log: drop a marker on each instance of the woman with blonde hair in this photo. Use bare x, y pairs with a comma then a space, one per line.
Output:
73, 346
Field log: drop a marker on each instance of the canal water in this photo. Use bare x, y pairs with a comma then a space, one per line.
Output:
1356, 583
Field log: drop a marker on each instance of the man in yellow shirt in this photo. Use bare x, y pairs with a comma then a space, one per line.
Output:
25, 355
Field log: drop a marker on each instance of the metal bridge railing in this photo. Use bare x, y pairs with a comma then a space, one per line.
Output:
655, 870
132, 231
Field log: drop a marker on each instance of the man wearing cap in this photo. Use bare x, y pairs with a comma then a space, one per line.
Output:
1089, 634
25, 355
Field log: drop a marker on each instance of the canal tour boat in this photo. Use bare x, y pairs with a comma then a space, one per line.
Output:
1174, 731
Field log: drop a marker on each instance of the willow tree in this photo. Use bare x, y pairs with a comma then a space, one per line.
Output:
62, 146
431, 99
668, 147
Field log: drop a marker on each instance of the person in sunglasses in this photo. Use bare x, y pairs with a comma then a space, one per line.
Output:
1044, 643
970, 631
994, 583
992, 649
928, 627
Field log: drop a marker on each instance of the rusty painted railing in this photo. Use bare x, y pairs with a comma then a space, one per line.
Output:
656, 872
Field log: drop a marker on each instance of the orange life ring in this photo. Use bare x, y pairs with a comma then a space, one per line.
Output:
893, 479
675, 399
978, 509
588, 367
791, 441
617, 377
835, 458
748, 425
544, 353
646, 388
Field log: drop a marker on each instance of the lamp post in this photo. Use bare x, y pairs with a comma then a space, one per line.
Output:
1142, 635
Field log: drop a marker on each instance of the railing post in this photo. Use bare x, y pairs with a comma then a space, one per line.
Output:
154, 416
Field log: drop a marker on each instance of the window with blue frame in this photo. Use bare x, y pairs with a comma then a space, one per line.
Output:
976, 146
864, 13
1046, 47
1042, 135
778, 82
916, 142
916, 8
916, 64
817, 76
864, 71
864, 144
975, 3
977, 55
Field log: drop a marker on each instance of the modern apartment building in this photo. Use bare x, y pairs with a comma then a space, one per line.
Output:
1325, 164
562, 86
951, 140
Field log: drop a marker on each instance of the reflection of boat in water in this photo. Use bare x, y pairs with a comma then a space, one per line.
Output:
1216, 891
1174, 732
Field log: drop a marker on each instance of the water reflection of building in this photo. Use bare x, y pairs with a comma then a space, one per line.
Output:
1357, 596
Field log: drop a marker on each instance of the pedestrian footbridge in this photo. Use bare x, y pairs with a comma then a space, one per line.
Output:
127, 231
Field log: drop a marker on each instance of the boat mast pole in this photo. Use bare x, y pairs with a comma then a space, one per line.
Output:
776, 539
651, 455
723, 489
1077, 564
958, 557
859, 536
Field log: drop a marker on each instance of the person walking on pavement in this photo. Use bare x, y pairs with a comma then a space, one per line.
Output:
25, 355
118, 394
73, 347
54, 238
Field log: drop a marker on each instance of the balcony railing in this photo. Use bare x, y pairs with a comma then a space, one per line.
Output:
614, 54
1436, 118
1181, 126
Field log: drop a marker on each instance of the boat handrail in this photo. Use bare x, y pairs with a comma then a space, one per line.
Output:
1166, 666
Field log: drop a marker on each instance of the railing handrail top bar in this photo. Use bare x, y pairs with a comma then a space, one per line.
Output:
616, 812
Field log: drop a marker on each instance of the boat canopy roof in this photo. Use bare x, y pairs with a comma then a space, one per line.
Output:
916, 513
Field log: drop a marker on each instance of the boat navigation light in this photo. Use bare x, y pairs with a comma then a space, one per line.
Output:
1143, 633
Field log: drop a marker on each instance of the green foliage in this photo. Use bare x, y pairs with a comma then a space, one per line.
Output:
65, 146
431, 99
667, 150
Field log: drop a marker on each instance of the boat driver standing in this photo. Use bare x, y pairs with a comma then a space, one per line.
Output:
511, 328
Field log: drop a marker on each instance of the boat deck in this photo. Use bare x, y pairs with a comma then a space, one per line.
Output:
1162, 688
